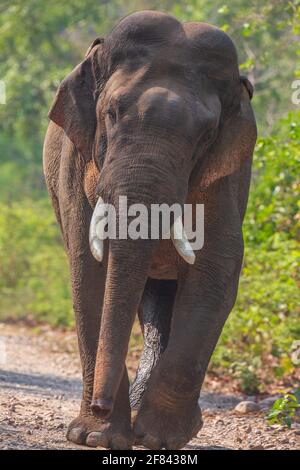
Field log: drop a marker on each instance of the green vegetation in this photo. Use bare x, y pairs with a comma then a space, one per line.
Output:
34, 279
40, 43
284, 409
257, 341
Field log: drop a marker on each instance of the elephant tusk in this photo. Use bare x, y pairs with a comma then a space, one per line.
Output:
97, 226
181, 242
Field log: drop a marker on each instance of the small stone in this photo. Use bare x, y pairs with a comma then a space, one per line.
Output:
295, 426
248, 429
60, 426
29, 432
284, 441
256, 446
277, 428
246, 407
219, 421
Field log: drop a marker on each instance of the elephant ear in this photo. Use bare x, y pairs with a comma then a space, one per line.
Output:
74, 106
235, 143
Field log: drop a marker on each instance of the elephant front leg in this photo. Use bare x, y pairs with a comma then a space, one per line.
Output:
169, 415
88, 283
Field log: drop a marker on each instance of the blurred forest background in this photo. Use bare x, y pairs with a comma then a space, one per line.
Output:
40, 42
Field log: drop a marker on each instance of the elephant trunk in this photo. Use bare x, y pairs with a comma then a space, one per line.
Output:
128, 266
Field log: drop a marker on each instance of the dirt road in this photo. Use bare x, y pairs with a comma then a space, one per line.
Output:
40, 390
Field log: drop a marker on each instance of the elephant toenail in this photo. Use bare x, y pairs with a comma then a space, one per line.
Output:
76, 435
139, 433
102, 408
95, 439
175, 444
152, 443
120, 443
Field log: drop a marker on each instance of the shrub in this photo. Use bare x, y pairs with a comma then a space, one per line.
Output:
33, 268
265, 321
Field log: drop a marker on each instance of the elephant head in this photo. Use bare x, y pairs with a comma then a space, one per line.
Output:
153, 104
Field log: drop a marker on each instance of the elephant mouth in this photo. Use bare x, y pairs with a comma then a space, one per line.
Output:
101, 218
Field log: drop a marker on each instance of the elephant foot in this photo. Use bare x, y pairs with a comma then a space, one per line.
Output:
113, 433
165, 423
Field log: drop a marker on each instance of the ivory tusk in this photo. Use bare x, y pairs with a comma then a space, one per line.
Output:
181, 242
97, 226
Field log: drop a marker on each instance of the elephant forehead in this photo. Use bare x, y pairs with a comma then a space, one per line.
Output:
211, 50
152, 38
148, 27
141, 35
122, 80
203, 36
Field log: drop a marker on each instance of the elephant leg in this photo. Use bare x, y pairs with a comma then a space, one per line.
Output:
88, 283
169, 415
155, 314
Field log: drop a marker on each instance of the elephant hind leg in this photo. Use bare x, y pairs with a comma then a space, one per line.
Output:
155, 314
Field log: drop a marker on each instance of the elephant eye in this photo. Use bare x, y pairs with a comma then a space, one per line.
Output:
203, 141
208, 136
112, 115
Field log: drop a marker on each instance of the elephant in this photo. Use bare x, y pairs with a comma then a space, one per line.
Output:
158, 112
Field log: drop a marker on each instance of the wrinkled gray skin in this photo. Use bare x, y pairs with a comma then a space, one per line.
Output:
158, 112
